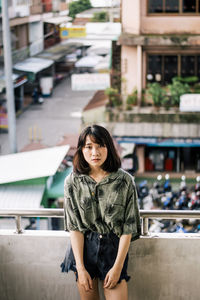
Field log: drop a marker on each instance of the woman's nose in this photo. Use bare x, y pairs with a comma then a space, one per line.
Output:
95, 151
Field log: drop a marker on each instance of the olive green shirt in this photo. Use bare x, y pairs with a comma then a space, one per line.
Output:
109, 205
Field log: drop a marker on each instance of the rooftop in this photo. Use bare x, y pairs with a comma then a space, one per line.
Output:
31, 164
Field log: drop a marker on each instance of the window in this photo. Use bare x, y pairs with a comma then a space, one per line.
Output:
171, 6
155, 6
170, 68
189, 6
198, 66
174, 6
187, 65
162, 68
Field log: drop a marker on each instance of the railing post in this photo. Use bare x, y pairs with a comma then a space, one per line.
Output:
18, 224
145, 226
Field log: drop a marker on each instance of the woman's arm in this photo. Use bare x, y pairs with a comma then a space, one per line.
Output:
77, 241
113, 274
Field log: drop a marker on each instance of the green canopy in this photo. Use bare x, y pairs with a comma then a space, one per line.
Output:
57, 188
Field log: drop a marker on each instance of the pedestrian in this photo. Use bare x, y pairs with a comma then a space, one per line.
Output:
101, 213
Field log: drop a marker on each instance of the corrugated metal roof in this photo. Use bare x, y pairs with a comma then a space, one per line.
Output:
21, 196
31, 164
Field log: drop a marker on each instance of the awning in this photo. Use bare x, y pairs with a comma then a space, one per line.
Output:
58, 52
104, 64
89, 61
21, 196
33, 65
127, 148
57, 188
31, 164
160, 142
18, 80
58, 20
97, 50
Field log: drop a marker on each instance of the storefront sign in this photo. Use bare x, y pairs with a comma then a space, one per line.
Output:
160, 142
190, 102
3, 118
90, 82
72, 32
18, 82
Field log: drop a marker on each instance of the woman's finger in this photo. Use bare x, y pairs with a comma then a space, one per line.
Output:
90, 283
107, 283
106, 280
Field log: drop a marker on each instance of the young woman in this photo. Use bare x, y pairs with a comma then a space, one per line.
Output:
102, 216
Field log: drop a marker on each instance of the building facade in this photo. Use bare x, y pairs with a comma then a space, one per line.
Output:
33, 28
160, 40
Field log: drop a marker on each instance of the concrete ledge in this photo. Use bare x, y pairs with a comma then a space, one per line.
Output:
162, 266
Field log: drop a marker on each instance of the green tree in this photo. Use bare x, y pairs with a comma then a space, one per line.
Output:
78, 6
100, 17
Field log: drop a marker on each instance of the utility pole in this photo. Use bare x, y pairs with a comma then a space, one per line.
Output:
8, 78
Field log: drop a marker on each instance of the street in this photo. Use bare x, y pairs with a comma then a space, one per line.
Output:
60, 114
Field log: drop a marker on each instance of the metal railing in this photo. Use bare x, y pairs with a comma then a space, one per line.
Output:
59, 213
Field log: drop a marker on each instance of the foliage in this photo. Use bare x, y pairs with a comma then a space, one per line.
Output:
113, 96
131, 99
78, 6
100, 17
196, 88
177, 89
189, 79
157, 93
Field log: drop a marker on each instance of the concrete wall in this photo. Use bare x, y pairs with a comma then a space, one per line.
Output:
93, 115
162, 266
136, 20
129, 69
172, 130
131, 16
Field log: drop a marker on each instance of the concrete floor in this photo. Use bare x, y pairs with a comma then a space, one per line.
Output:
59, 114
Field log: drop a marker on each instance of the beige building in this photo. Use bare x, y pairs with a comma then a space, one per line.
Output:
160, 40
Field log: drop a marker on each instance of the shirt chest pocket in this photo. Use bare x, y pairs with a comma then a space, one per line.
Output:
86, 203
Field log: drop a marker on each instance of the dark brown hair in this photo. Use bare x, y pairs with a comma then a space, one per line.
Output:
101, 136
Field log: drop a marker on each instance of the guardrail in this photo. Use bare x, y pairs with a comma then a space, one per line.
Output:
59, 213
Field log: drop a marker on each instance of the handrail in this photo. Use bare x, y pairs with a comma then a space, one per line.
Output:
59, 213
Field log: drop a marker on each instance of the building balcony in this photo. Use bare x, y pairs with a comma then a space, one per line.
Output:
161, 266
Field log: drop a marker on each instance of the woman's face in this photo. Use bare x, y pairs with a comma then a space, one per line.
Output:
94, 154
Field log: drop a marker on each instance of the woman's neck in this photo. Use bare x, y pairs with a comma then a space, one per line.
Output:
98, 174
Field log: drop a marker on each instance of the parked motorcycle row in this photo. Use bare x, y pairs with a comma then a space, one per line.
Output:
162, 196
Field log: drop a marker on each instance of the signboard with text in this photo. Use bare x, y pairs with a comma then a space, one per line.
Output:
90, 82
72, 32
190, 103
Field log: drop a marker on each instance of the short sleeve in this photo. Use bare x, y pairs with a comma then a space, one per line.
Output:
70, 209
132, 218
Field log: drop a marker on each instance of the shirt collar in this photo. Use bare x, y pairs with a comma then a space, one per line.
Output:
112, 176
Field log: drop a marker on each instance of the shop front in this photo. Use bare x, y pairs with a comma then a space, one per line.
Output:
36, 69
163, 154
19, 81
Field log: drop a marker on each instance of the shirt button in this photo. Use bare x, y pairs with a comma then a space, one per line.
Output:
100, 236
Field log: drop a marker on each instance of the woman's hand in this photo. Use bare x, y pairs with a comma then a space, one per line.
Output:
84, 279
112, 277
